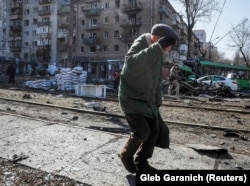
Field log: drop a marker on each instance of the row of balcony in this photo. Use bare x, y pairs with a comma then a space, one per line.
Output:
96, 40
43, 12
88, 12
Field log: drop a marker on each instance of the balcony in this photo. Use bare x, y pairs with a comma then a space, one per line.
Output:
131, 7
62, 47
44, 23
16, 5
127, 38
15, 16
15, 49
62, 35
15, 27
64, 10
45, 44
42, 2
43, 49
44, 12
92, 27
91, 41
15, 46
91, 12
63, 23
43, 59
163, 10
15, 37
176, 24
131, 23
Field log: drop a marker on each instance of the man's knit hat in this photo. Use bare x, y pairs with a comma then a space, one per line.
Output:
164, 30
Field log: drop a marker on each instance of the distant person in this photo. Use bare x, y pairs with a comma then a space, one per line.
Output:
140, 94
116, 77
174, 80
11, 71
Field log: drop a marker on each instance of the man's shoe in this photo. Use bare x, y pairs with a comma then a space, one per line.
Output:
129, 164
144, 167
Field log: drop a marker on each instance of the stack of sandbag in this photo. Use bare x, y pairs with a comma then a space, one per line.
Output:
67, 79
78, 75
64, 79
39, 84
83, 77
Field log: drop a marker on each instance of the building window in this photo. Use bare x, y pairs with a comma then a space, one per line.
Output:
92, 34
106, 6
26, 22
117, 19
94, 68
106, 19
26, 33
35, 10
93, 22
46, 19
81, 49
82, 22
116, 34
105, 48
117, 3
34, 44
83, 8
26, 55
26, 44
34, 21
34, 33
93, 5
105, 35
92, 48
46, 8
82, 36
116, 48
26, 12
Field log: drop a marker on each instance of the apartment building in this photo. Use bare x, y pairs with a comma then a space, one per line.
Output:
208, 48
4, 53
94, 34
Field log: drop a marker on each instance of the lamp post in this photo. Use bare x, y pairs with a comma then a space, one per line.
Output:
72, 28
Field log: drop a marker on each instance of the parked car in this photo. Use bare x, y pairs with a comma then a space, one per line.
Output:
212, 79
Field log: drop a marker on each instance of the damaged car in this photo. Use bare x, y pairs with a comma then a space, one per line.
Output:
211, 80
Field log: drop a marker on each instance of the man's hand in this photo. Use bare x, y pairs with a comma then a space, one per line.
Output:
165, 42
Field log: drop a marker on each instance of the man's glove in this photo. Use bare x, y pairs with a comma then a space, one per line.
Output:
165, 42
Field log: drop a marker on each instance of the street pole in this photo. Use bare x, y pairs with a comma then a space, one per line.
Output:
73, 27
210, 48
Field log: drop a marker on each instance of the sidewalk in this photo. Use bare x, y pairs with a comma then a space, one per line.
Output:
92, 157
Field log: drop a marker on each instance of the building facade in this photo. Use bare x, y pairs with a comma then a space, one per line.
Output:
93, 34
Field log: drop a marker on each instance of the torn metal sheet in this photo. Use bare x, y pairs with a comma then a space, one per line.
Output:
202, 147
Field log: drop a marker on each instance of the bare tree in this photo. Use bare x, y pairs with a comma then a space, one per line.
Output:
197, 10
240, 37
